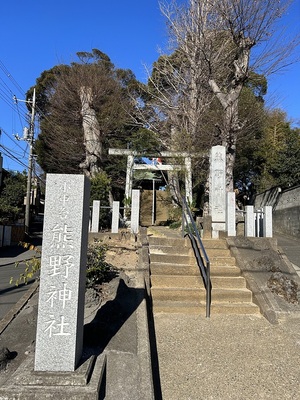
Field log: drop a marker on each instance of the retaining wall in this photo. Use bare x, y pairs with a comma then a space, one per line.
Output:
286, 209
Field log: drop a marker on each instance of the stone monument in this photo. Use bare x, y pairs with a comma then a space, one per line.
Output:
59, 336
217, 189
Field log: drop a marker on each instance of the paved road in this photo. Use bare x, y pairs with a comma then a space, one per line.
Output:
9, 293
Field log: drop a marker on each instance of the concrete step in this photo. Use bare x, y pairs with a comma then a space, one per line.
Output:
214, 253
191, 282
177, 286
171, 259
181, 250
192, 269
164, 241
198, 308
222, 261
173, 269
189, 260
214, 244
224, 270
176, 281
185, 294
167, 241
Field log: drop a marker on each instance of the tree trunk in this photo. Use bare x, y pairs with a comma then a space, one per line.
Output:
92, 134
231, 126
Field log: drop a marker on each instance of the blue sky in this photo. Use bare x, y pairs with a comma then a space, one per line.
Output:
36, 35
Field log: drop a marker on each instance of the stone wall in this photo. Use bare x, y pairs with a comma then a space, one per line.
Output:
286, 209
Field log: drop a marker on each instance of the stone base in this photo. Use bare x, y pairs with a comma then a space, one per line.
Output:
82, 384
216, 228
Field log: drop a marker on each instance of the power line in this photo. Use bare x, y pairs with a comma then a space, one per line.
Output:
11, 78
13, 140
11, 156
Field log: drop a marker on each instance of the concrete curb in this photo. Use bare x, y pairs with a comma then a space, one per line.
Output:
271, 306
144, 351
14, 311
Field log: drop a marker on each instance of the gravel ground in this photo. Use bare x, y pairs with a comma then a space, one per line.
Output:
227, 357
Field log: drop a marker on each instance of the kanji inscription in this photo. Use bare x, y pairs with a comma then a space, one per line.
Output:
62, 283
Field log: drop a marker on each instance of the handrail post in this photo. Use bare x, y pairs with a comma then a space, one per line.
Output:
196, 242
182, 223
208, 291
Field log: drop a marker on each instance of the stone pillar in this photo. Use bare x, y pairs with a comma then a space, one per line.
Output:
115, 217
230, 214
135, 211
217, 189
59, 335
128, 184
249, 221
207, 229
268, 224
95, 216
188, 180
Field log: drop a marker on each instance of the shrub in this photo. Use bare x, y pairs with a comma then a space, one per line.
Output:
97, 271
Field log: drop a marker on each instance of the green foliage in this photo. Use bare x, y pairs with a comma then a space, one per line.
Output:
144, 140
12, 196
175, 224
98, 270
100, 189
270, 155
278, 153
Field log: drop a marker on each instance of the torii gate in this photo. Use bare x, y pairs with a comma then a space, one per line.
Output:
157, 167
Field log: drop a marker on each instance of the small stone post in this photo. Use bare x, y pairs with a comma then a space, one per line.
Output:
115, 217
268, 224
95, 216
230, 214
135, 211
249, 221
59, 337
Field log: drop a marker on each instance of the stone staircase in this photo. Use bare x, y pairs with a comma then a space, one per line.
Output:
177, 286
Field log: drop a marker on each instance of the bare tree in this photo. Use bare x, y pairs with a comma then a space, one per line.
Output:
225, 41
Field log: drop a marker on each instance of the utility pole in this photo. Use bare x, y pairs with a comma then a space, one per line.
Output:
30, 162
28, 135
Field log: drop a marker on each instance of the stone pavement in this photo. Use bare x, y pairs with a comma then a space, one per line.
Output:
228, 357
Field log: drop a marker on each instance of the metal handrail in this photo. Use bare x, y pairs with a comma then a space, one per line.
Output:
202, 261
